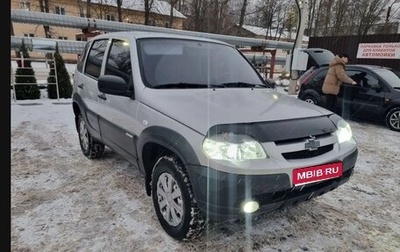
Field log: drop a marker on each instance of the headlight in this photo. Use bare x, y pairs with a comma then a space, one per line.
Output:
233, 147
343, 133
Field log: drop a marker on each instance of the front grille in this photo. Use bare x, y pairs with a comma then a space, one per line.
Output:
270, 198
307, 153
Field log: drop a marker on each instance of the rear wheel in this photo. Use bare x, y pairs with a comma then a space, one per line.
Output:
91, 148
173, 200
312, 99
393, 119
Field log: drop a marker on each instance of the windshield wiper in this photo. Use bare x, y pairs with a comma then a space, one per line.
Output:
183, 85
243, 84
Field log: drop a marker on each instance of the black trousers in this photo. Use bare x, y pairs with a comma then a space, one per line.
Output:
330, 102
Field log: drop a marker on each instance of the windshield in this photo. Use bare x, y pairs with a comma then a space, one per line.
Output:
391, 76
177, 63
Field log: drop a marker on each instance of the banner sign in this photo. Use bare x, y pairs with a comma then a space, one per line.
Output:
378, 51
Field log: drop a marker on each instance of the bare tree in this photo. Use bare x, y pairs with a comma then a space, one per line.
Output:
340, 10
242, 15
390, 14
88, 9
172, 4
328, 14
119, 10
44, 7
217, 15
104, 8
147, 8
368, 13
311, 16
275, 16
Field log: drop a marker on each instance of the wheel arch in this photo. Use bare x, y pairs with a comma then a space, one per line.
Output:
77, 103
389, 110
157, 141
395, 104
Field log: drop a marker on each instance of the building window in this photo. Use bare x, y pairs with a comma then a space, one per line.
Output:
60, 10
29, 35
25, 6
110, 17
63, 38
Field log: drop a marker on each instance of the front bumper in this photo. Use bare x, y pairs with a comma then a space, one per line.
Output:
219, 194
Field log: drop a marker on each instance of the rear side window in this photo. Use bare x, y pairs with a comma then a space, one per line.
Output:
95, 58
319, 78
119, 60
81, 59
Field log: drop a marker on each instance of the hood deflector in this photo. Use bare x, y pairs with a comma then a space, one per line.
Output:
278, 130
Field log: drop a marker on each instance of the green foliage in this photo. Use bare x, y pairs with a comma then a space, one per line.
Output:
64, 80
25, 74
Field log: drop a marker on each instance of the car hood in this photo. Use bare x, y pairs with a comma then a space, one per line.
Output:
200, 109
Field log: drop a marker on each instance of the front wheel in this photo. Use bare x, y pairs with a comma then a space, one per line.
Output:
393, 119
173, 200
91, 148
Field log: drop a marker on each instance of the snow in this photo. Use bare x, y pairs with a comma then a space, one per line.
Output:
260, 31
158, 6
62, 201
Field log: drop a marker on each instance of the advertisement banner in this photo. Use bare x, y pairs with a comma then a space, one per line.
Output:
379, 50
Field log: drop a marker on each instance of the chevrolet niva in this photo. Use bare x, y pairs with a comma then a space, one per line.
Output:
214, 140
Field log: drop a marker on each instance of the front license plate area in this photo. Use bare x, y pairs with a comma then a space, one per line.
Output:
302, 176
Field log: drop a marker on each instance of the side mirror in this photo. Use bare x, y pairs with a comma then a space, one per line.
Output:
270, 82
114, 85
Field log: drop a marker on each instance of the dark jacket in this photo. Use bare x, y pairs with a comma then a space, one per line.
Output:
335, 77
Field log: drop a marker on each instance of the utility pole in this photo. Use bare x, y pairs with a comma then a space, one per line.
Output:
302, 6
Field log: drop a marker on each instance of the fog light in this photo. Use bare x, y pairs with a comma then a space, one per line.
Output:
250, 206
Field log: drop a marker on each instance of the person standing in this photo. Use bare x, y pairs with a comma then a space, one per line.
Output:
335, 77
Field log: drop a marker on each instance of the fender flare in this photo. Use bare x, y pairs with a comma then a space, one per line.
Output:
168, 139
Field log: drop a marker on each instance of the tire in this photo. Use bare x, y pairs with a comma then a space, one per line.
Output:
91, 148
393, 119
311, 99
174, 201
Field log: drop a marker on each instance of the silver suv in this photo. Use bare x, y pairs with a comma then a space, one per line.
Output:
213, 139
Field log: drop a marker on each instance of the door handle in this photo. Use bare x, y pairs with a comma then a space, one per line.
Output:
80, 86
102, 96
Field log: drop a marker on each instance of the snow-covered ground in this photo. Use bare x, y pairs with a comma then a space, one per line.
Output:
62, 201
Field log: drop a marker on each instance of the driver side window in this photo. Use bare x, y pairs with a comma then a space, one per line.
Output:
364, 79
119, 60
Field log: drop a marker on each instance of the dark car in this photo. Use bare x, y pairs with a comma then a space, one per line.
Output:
375, 97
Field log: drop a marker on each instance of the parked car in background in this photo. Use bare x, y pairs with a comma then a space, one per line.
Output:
376, 97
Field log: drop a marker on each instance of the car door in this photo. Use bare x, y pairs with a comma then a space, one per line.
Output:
366, 98
117, 118
87, 82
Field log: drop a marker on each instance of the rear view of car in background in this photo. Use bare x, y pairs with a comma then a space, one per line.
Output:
375, 97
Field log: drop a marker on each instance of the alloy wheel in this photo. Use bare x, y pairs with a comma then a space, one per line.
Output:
394, 120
